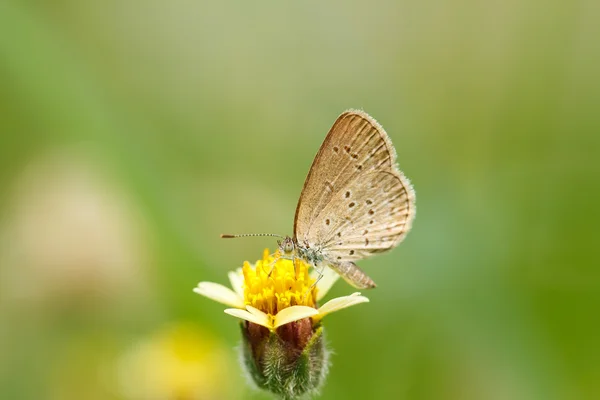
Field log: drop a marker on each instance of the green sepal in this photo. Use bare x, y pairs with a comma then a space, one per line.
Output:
313, 363
249, 363
282, 369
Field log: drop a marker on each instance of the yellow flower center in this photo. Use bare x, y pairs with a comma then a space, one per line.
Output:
274, 283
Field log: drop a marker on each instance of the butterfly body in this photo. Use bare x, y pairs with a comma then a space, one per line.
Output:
289, 248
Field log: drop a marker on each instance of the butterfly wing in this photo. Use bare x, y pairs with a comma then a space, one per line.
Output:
356, 144
354, 199
374, 218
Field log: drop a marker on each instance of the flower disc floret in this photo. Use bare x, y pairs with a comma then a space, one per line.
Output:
275, 283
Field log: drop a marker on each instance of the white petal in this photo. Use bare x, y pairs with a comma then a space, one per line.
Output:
340, 303
326, 282
248, 316
220, 293
259, 314
236, 278
293, 313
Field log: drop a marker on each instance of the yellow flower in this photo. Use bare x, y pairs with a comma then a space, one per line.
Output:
179, 362
276, 291
283, 350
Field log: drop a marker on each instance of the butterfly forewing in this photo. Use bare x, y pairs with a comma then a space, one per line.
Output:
355, 145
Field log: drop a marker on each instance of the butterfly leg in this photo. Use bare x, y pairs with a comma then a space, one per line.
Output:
272, 264
320, 272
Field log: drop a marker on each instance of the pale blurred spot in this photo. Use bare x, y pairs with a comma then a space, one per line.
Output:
70, 233
180, 362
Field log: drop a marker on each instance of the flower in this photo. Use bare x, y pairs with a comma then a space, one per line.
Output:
180, 361
283, 349
276, 291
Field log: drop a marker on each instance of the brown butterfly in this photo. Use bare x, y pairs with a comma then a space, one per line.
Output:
355, 201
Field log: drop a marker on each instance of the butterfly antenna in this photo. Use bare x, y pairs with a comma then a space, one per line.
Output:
226, 236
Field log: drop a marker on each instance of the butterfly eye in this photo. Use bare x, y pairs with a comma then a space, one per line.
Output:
289, 247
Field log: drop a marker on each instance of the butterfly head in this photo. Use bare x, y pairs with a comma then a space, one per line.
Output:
287, 246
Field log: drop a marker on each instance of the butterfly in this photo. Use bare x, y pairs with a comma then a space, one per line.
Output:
355, 201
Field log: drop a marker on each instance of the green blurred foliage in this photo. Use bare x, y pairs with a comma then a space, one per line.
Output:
204, 118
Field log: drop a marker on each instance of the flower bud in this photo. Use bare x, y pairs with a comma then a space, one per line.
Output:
290, 362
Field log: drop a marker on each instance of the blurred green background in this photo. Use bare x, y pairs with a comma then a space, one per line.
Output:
133, 133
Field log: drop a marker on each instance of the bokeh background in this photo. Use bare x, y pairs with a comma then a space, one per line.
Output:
133, 133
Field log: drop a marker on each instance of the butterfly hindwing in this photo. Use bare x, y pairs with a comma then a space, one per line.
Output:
375, 217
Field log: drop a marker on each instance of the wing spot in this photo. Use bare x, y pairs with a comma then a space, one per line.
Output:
339, 234
339, 258
359, 167
347, 148
348, 194
369, 202
365, 231
336, 149
371, 222
352, 204
327, 221
354, 155
351, 252
371, 212
366, 242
